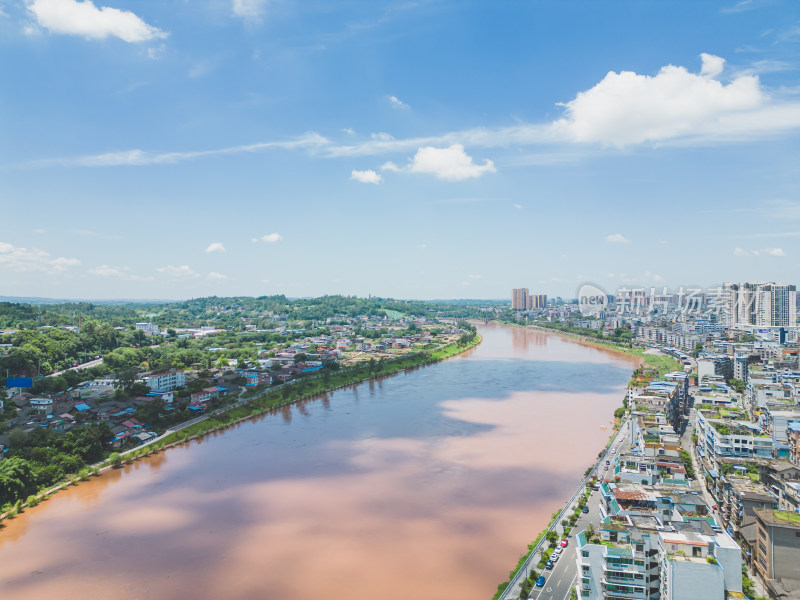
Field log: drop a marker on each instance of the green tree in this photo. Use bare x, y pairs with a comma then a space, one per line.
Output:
16, 478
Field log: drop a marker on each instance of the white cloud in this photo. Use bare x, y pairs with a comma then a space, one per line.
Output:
250, 10
24, 260
107, 271
451, 164
712, 65
368, 176
397, 103
216, 247
474, 276
627, 108
71, 17
382, 136
762, 252
181, 272
517, 205
216, 276
269, 238
617, 238
390, 166
308, 141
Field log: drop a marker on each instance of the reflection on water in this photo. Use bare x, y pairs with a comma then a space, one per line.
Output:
426, 484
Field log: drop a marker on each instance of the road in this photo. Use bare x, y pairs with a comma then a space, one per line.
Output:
86, 365
562, 577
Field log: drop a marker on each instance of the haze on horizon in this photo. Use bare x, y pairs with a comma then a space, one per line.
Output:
430, 149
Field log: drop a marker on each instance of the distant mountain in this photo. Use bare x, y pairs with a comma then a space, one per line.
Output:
38, 300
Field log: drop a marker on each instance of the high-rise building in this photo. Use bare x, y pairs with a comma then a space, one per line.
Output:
519, 299
522, 299
759, 304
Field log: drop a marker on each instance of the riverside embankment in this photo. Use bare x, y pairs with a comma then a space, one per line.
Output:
426, 483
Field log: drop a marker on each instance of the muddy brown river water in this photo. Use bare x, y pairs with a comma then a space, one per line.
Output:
424, 485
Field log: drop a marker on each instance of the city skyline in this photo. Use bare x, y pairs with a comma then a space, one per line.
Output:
424, 150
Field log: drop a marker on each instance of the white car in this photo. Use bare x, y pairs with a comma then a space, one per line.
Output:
554, 557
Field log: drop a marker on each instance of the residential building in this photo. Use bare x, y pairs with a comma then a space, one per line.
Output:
166, 381
149, 328
759, 304
777, 553
519, 299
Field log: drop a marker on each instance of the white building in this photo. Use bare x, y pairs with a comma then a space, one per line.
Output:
166, 381
149, 328
760, 304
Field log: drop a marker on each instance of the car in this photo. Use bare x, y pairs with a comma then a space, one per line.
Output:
608, 462
564, 543
613, 451
540, 581
585, 509
549, 565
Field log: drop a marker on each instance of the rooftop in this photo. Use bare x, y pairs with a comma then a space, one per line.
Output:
778, 517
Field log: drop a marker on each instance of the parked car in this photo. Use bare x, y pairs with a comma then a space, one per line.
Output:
564, 543
549, 565
540, 581
585, 509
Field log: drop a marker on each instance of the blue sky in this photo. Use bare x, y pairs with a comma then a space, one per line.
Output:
430, 149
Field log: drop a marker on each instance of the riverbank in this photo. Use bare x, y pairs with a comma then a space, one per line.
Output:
261, 402
661, 363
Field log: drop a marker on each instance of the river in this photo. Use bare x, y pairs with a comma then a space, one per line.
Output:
426, 484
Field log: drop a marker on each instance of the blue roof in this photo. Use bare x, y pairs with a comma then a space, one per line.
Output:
83, 407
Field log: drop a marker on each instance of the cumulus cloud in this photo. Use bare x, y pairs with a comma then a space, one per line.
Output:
774, 252
24, 260
627, 108
368, 176
395, 102
617, 238
70, 17
180, 272
450, 164
269, 238
740, 252
215, 247
216, 276
711, 65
